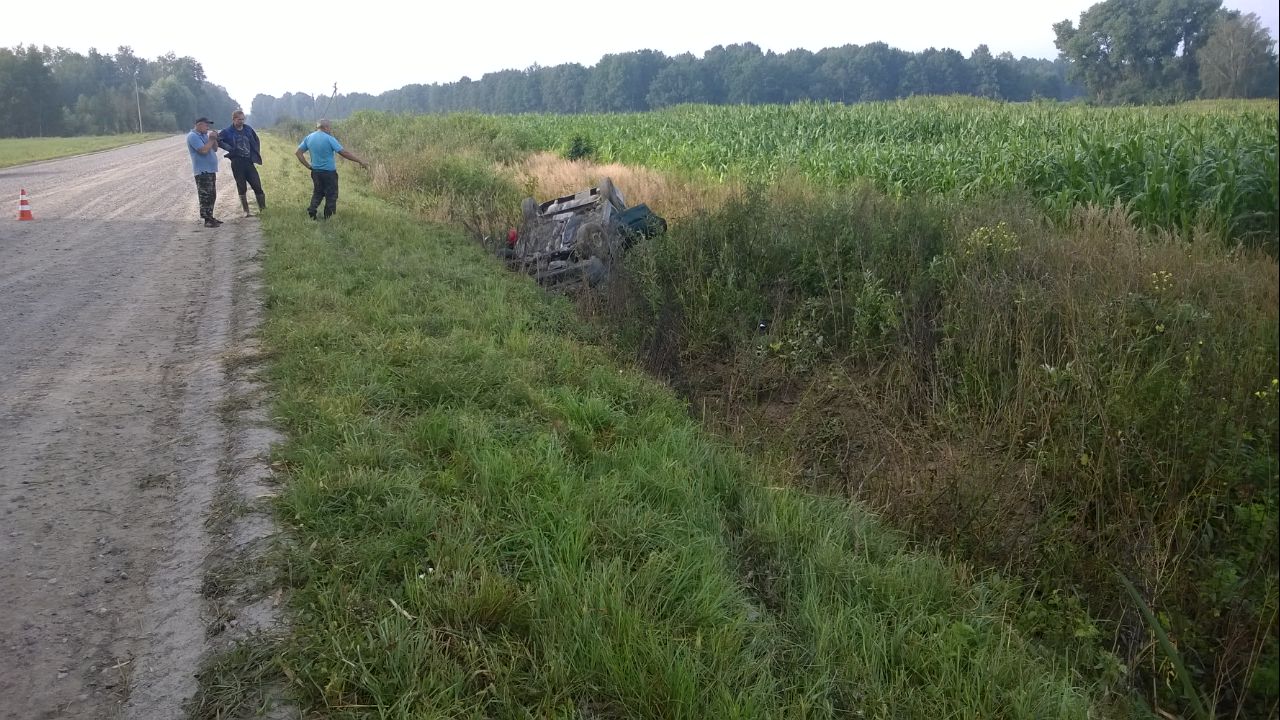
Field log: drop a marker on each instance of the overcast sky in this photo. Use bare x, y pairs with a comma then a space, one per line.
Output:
373, 45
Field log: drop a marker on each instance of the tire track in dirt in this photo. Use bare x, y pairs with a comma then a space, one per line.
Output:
117, 312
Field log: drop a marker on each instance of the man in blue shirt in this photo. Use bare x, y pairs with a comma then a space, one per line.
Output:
324, 171
244, 150
202, 145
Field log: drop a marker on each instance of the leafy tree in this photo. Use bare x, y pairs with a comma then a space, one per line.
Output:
28, 97
169, 96
837, 76
562, 87
723, 65
985, 73
1238, 60
681, 81
1137, 50
619, 82
880, 69
762, 79
795, 69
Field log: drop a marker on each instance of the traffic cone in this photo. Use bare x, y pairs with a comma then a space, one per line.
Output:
24, 209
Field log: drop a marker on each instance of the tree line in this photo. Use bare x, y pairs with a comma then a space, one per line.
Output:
736, 74
1123, 51
59, 92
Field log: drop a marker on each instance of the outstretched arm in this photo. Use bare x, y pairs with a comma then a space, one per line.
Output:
347, 154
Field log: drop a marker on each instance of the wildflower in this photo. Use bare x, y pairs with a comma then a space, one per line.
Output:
1161, 281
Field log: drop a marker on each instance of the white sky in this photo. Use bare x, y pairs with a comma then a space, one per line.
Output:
372, 46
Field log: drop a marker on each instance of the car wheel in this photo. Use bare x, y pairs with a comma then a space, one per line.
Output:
591, 240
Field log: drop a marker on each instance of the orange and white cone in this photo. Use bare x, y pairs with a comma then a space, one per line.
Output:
24, 208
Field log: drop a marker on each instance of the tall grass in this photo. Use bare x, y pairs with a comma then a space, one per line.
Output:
1059, 403
493, 519
1062, 399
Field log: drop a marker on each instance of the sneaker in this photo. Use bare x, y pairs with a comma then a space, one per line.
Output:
212, 223
216, 222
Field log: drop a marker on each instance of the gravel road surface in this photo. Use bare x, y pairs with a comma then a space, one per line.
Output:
118, 312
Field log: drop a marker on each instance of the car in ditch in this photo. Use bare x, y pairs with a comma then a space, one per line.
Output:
578, 239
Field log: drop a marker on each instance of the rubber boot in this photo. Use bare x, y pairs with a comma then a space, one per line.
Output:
262, 201
244, 204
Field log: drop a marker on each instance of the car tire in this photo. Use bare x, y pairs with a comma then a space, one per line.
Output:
592, 240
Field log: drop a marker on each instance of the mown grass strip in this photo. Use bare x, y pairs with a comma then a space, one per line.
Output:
493, 519
19, 151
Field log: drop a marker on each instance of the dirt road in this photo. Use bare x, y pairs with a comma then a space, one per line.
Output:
118, 312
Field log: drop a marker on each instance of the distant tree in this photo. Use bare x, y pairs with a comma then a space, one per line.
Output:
620, 82
723, 66
761, 79
214, 101
985, 73
28, 96
948, 72
262, 111
1238, 60
1137, 50
795, 70
879, 69
914, 79
47, 91
510, 91
185, 70
681, 81
170, 95
836, 75
562, 87
741, 73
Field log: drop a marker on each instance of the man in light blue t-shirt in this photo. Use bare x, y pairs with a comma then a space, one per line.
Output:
202, 145
324, 171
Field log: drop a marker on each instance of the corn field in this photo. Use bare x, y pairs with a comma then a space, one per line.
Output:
1212, 164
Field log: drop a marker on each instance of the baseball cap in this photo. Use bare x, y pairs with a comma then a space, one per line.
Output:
202, 119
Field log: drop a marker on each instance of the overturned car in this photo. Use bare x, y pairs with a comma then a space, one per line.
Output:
578, 239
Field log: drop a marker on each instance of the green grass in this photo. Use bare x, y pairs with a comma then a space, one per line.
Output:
19, 151
1056, 401
493, 519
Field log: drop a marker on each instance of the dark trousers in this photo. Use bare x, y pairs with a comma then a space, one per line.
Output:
246, 173
207, 191
324, 184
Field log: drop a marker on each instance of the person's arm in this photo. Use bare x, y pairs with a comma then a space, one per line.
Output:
347, 154
255, 145
224, 140
298, 154
211, 142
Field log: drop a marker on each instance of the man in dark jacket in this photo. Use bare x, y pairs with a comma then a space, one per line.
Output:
244, 151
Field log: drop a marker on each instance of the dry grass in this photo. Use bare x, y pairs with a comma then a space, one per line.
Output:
672, 196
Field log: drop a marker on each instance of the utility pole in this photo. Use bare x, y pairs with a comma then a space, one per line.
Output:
138, 99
